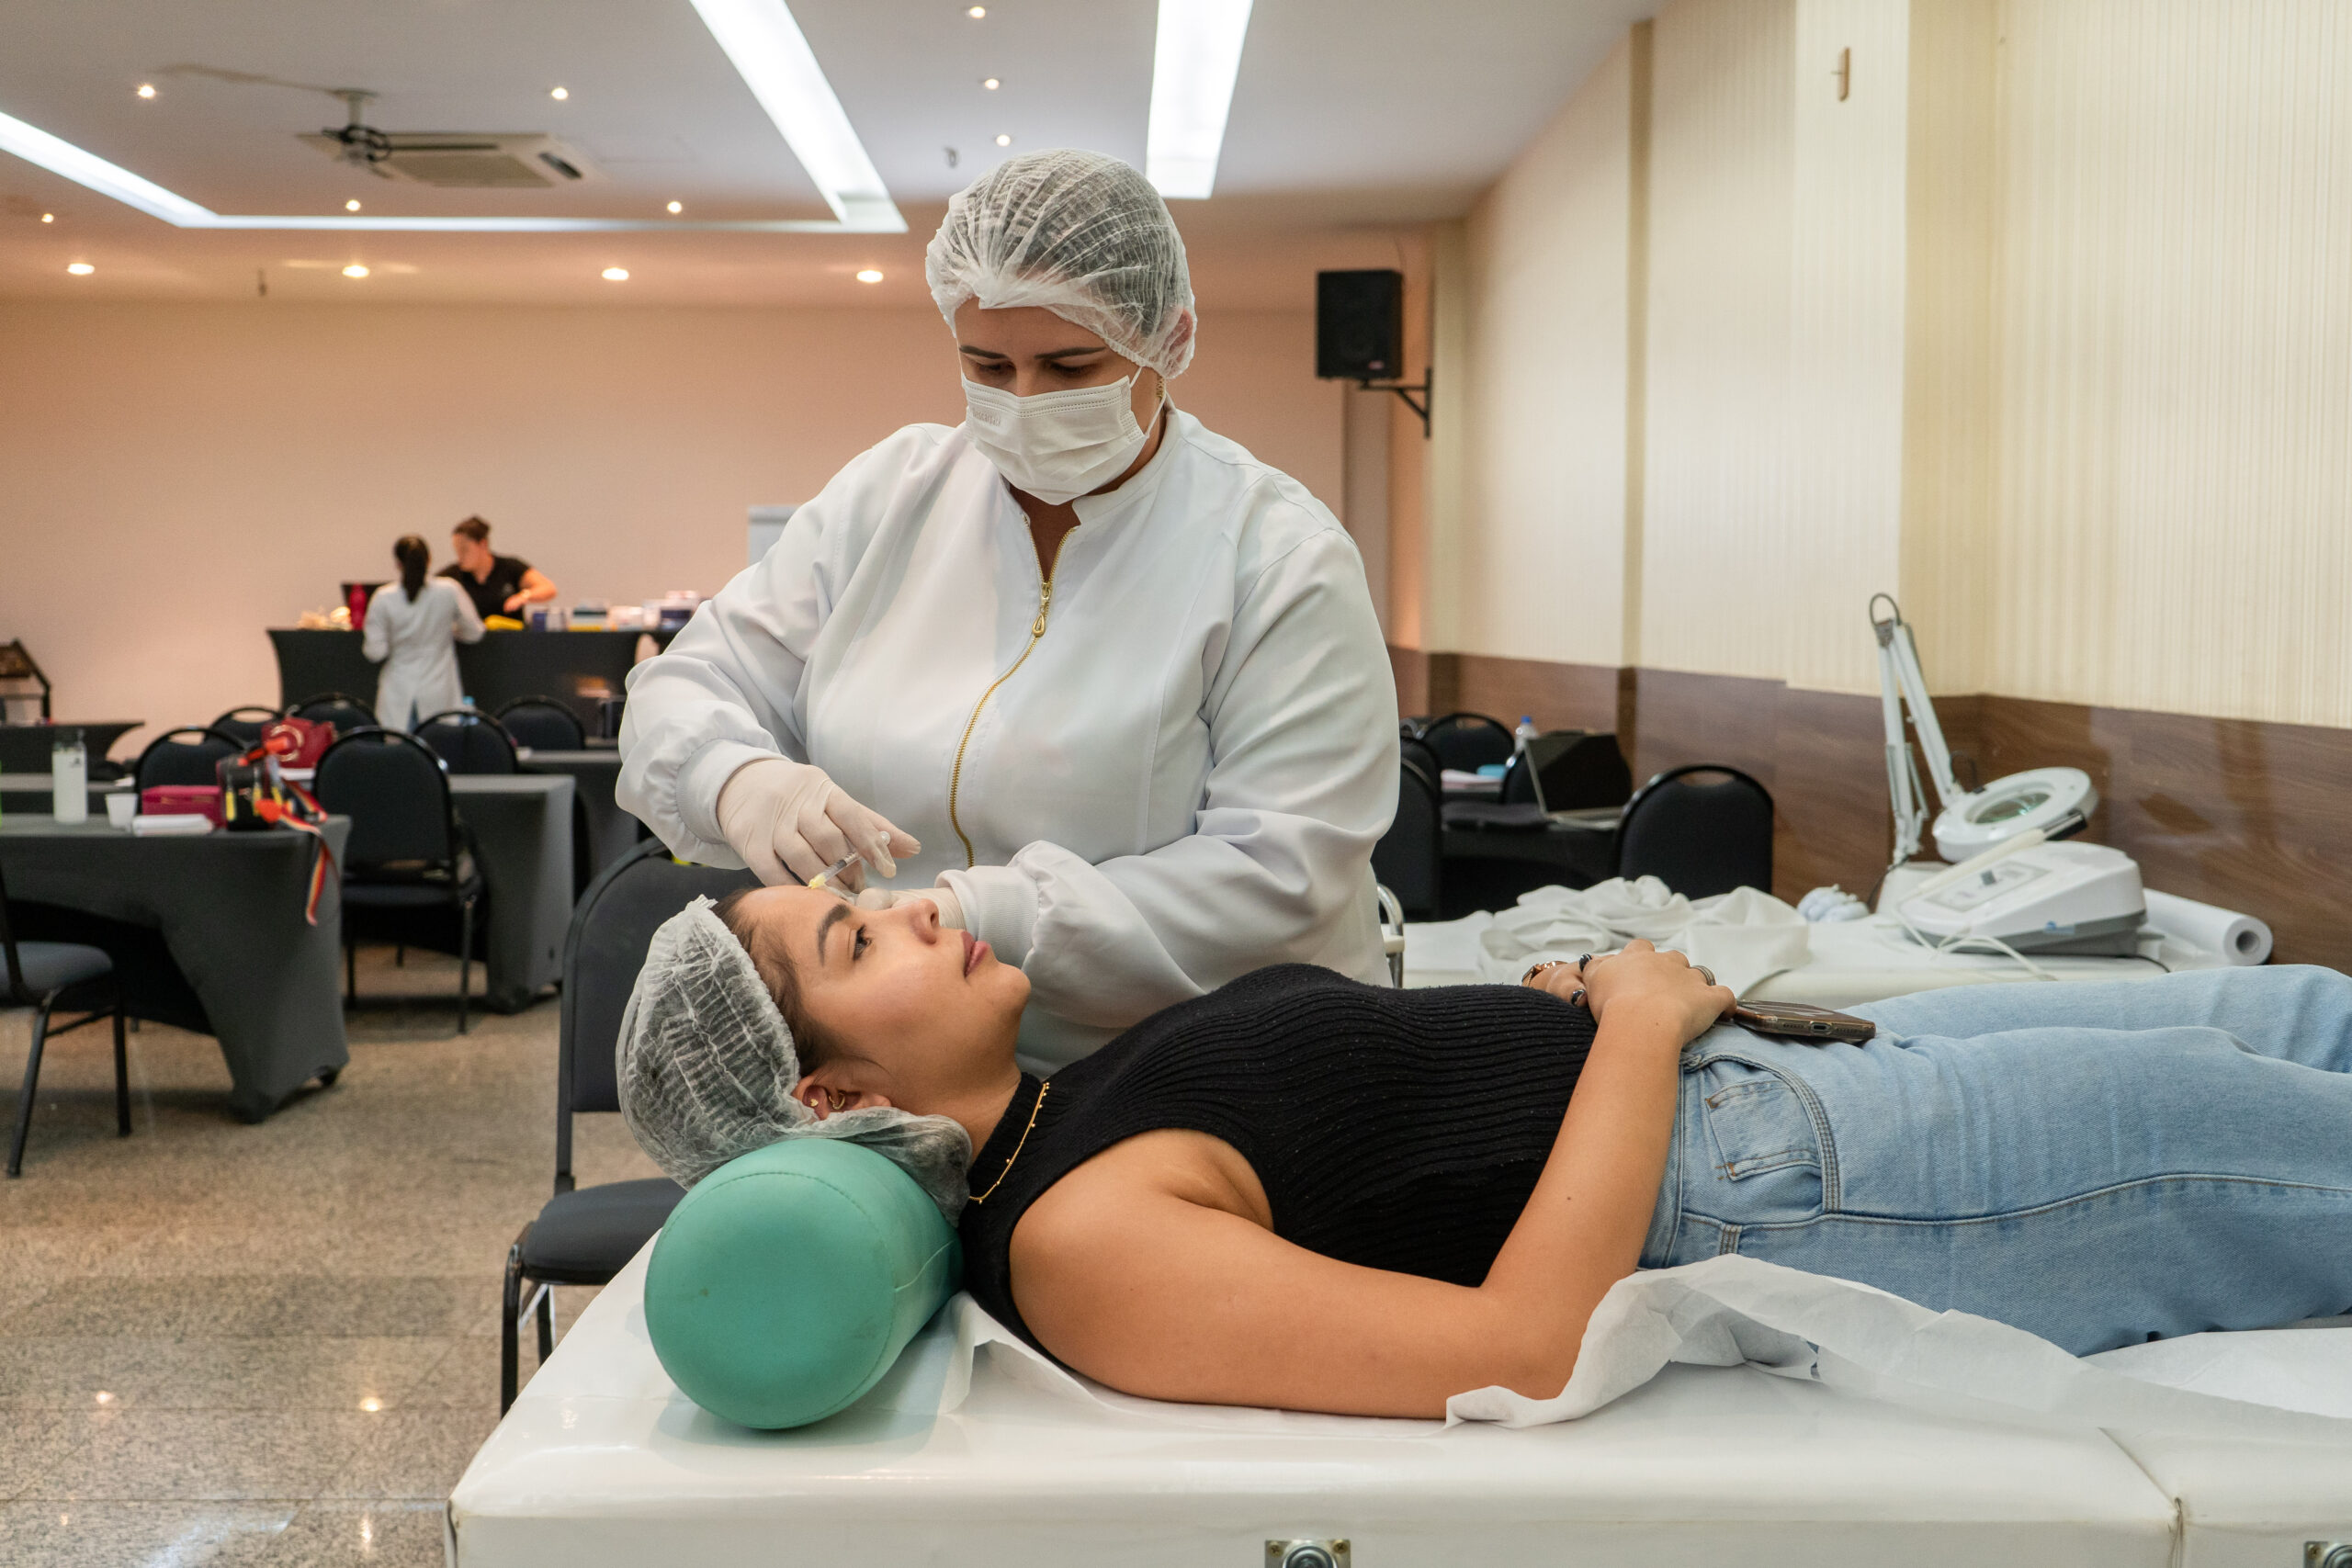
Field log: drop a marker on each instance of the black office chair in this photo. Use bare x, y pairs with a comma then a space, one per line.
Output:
346, 713
172, 758
544, 725
245, 724
44, 977
409, 859
584, 1235
1698, 837
1421, 753
1407, 860
1468, 741
470, 742
1578, 772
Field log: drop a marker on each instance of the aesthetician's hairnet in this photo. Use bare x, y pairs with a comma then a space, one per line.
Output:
707, 1068
1082, 235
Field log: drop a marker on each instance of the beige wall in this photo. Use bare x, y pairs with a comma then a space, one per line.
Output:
175, 479
2046, 326
1547, 254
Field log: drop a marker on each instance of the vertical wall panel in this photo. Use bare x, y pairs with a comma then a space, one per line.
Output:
2173, 517
1716, 507
1846, 311
1545, 397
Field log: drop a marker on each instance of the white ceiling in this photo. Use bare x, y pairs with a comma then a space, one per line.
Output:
1350, 116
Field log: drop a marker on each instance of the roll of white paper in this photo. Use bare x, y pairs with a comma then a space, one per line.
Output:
2239, 939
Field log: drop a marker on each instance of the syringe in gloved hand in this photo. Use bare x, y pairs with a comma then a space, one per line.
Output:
843, 864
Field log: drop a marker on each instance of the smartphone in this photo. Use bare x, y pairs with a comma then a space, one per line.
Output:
1797, 1021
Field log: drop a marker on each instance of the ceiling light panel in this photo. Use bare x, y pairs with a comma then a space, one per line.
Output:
769, 51
1195, 58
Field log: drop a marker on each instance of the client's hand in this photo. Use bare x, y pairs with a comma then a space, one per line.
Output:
1643, 978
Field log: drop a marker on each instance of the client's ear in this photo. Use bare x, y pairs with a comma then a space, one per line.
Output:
823, 1096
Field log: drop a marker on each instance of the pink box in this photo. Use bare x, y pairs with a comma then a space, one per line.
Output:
181, 800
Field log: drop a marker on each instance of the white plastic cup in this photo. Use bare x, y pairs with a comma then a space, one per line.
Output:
121, 806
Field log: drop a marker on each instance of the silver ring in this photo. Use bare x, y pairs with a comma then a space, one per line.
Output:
1707, 972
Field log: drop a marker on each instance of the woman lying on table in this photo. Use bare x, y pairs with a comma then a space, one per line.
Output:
1304, 1191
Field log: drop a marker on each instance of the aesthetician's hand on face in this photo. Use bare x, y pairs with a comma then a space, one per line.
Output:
1643, 977
790, 821
949, 907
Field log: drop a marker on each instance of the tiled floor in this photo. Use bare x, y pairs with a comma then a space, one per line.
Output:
276, 1345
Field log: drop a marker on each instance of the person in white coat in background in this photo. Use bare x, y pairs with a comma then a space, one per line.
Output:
413, 629
1111, 681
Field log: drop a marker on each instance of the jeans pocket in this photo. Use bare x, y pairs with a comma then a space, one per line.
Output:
1764, 1147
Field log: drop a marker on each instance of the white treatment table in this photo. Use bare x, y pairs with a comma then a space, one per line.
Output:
603, 1463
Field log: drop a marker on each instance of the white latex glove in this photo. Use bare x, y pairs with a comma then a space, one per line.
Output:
790, 821
951, 912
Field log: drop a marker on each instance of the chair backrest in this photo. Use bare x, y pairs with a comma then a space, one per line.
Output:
1419, 752
543, 724
188, 755
1468, 741
1696, 836
470, 742
246, 723
1576, 772
12, 970
397, 795
346, 713
612, 926
1408, 861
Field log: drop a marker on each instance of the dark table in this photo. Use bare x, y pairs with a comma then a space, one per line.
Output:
522, 824
1581, 844
611, 832
577, 668
243, 965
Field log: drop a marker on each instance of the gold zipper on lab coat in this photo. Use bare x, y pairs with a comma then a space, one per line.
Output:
955, 779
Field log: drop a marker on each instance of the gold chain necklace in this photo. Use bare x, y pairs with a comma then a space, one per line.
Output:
1039, 1105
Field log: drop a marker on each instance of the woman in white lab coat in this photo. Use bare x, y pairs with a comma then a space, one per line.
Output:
1111, 682
412, 630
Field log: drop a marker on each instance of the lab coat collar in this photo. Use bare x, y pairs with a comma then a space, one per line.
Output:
1137, 493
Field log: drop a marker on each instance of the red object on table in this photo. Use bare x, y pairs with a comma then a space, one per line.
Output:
181, 800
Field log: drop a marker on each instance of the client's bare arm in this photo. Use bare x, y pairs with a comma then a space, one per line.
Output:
1152, 1266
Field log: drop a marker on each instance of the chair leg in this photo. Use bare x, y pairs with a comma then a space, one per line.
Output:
510, 1311
350, 972
465, 958
121, 1078
547, 1323
32, 1084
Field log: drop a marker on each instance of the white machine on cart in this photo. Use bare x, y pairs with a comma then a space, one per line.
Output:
2011, 885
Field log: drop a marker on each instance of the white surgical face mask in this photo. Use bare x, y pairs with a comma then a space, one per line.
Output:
1057, 446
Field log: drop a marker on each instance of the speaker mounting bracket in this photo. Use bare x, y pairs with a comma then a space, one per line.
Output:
1405, 391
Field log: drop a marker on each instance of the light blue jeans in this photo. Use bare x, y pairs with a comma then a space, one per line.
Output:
2098, 1164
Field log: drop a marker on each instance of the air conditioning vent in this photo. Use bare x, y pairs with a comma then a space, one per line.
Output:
467, 160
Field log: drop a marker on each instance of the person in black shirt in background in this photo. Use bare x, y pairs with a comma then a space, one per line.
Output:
499, 585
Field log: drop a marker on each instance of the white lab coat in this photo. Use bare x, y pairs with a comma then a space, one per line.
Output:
417, 645
1183, 781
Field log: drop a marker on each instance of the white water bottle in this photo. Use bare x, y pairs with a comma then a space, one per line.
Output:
69, 779
1525, 733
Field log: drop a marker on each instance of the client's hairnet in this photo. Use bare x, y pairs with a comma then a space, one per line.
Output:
707, 1069
1082, 235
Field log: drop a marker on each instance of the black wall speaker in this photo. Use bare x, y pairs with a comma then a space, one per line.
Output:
1360, 326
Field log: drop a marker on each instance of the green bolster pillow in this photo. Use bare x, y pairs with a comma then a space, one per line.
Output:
787, 1280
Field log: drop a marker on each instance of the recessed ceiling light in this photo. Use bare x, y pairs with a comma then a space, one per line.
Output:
104, 1398
146, 89
870, 275
616, 275
976, 12
559, 94
990, 82
1004, 140
356, 269
1195, 58
352, 205
80, 270
49, 217
677, 207
371, 1405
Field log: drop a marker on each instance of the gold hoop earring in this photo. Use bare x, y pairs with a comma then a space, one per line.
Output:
835, 1101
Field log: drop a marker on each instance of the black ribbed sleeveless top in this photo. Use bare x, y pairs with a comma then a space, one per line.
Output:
1398, 1130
